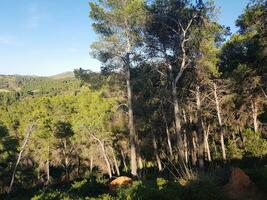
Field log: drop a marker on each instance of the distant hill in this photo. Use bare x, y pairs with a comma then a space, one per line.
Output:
63, 75
37, 84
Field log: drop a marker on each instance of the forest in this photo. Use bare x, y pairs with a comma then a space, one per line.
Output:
180, 105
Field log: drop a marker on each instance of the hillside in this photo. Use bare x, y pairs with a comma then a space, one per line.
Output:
64, 75
35, 84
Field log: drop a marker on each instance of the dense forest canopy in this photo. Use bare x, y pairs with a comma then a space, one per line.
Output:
177, 97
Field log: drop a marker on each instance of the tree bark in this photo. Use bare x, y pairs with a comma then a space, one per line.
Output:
177, 119
220, 121
255, 115
131, 127
206, 140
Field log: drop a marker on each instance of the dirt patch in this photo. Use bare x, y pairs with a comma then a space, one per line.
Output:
122, 180
240, 186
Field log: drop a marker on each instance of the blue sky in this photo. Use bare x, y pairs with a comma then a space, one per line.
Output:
46, 37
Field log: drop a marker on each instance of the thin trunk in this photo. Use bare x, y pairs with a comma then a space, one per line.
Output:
48, 168
156, 152
139, 159
194, 154
206, 140
191, 134
28, 133
185, 139
255, 115
66, 160
106, 159
115, 162
220, 120
111, 166
102, 145
215, 147
91, 163
167, 133
200, 132
47, 172
124, 161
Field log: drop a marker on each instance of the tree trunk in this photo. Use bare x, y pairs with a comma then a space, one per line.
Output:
191, 140
167, 133
206, 140
177, 119
255, 115
220, 121
47, 172
200, 132
156, 152
28, 133
106, 159
115, 162
102, 145
124, 161
66, 159
131, 127
91, 163
48, 168
139, 159
185, 139
111, 166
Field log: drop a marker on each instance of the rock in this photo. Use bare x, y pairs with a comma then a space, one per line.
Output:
122, 180
240, 186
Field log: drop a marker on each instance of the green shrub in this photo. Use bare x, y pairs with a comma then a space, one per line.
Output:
90, 187
161, 182
234, 151
139, 191
52, 195
254, 144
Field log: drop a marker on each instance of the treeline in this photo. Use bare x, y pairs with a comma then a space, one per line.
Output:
15, 88
192, 96
176, 93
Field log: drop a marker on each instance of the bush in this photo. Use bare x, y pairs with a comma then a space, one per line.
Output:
90, 187
204, 188
254, 144
139, 191
234, 151
51, 195
161, 182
